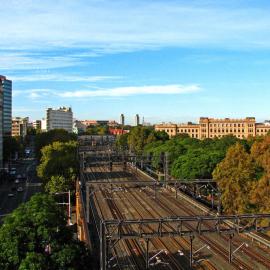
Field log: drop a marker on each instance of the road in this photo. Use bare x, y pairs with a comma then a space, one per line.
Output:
30, 184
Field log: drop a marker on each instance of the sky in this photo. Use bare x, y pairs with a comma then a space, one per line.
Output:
167, 60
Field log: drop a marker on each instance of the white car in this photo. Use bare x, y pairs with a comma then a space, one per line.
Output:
19, 189
10, 195
17, 181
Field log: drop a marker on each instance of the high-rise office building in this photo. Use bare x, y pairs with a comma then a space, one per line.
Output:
137, 120
6, 86
122, 119
61, 118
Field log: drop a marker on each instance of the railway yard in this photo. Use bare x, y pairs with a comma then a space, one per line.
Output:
120, 192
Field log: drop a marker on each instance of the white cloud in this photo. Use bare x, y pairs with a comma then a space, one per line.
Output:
33, 93
123, 25
24, 60
61, 78
133, 90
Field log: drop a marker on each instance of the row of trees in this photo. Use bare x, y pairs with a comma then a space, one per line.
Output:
35, 237
244, 178
139, 137
191, 158
97, 130
240, 167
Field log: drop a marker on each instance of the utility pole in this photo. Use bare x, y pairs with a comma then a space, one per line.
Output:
166, 167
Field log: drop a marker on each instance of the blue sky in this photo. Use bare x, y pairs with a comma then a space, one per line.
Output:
167, 60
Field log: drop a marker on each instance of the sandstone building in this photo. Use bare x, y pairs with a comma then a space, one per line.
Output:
217, 128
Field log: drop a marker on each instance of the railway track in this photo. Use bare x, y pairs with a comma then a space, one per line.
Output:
218, 248
127, 199
165, 201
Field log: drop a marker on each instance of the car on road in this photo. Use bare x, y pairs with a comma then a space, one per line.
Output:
17, 181
10, 195
12, 172
19, 189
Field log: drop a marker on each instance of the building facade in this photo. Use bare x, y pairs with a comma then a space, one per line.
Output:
118, 131
37, 124
43, 125
6, 86
137, 120
122, 119
61, 118
19, 126
78, 127
217, 128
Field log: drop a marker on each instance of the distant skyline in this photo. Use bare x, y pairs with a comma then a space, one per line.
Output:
167, 60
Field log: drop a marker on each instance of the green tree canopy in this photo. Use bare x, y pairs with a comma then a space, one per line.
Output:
59, 183
34, 261
59, 159
97, 130
36, 236
55, 135
11, 145
197, 163
122, 142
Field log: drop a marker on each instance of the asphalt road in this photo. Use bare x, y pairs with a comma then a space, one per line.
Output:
30, 184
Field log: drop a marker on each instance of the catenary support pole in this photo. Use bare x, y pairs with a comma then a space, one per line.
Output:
191, 251
103, 248
87, 204
147, 254
230, 248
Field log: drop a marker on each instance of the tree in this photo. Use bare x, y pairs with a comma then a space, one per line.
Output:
34, 261
97, 130
197, 163
59, 183
35, 236
122, 141
30, 228
55, 135
137, 138
59, 159
235, 177
11, 145
260, 151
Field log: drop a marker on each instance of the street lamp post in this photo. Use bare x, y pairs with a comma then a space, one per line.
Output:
69, 205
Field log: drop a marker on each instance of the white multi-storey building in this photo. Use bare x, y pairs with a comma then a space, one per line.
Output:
61, 118
137, 120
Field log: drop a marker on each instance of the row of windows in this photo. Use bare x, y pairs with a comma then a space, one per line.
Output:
187, 130
220, 136
263, 130
182, 130
228, 125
